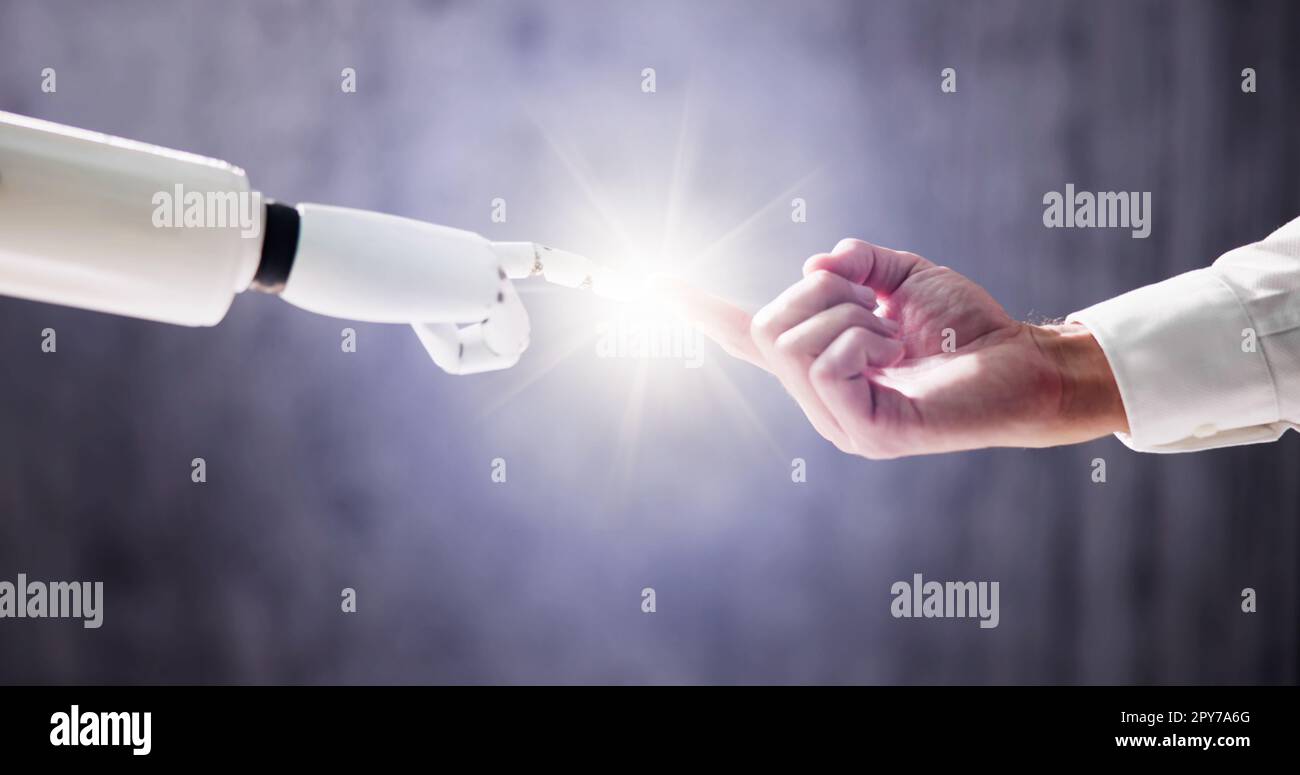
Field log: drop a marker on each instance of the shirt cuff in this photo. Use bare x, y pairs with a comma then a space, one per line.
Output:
1190, 374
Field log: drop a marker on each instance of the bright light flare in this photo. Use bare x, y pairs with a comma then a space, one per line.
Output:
631, 350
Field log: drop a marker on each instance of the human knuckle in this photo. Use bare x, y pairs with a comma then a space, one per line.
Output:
785, 344
821, 369
822, 281
763, 326
857, 336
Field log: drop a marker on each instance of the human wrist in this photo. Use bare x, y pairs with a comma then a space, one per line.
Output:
1090, 403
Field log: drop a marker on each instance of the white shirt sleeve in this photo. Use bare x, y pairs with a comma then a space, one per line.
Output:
1210, 358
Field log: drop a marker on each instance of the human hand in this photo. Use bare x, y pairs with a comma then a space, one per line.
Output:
938, 366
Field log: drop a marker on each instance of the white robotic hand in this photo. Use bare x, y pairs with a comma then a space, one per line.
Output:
497, 341
454, 287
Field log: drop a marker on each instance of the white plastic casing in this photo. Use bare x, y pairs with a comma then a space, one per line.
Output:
77, 226
447, 283
377, 268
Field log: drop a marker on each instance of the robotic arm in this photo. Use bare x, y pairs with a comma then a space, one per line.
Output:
98, 222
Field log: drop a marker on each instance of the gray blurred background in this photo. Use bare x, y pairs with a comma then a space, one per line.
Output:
371, 470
